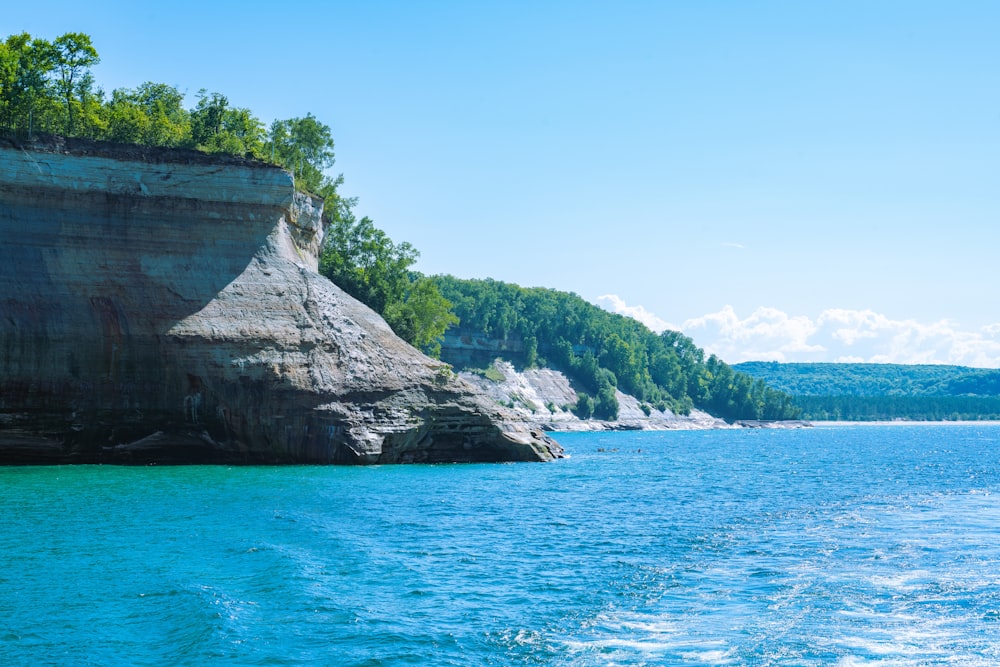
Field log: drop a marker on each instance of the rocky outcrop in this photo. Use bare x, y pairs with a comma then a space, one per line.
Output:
164, 306
546, 396
466, 348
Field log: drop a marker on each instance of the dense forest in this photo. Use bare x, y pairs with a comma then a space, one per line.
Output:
862, 392
47, 87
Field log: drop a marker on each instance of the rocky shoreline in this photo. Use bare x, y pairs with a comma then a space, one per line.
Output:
545, 396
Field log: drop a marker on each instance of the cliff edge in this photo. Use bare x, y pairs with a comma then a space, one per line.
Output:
164, 306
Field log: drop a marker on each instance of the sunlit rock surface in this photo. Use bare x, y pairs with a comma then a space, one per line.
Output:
546, 396
164, 306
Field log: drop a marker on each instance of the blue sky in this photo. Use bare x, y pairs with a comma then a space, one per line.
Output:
802, 181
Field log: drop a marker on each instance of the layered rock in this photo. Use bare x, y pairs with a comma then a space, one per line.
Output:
164, 306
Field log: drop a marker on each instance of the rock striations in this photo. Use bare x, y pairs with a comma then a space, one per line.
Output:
164, 306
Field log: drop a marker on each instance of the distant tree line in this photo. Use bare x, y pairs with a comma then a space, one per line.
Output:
854, 379
603, 351
887, 408
865, 392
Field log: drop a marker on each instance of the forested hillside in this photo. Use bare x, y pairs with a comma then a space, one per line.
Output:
602, 350
884, 391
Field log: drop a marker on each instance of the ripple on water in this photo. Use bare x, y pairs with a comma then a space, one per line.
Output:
838, 546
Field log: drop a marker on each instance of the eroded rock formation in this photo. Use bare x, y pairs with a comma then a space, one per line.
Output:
164, 306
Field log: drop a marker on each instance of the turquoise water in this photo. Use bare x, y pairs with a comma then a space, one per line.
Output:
852, 545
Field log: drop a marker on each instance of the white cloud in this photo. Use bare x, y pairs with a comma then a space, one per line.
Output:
767, 334
912, 342
848, 359
616, 304
837, 334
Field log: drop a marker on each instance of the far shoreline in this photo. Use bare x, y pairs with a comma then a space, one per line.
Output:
593, 426
905, 422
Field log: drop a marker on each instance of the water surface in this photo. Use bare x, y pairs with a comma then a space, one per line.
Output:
849, 545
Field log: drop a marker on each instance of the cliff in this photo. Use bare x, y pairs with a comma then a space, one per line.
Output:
164, 306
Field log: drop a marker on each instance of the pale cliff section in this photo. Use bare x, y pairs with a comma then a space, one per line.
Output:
164, 306
547, 396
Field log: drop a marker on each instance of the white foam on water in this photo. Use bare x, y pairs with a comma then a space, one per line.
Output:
649, 623
962, 660
709, 657
889, 646
648, 636
854, 661
903, 581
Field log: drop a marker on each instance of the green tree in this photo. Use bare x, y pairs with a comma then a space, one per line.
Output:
74, 56
304, 146
422, 317
152, 114
217, 127
25, 67
125, 120
363, 261
606, 402
170, 124
530, 350
584, 407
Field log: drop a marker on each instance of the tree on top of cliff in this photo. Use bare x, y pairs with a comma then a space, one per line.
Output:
74, 56
153, 115
304, 146
47, 87
217, 127
25, 66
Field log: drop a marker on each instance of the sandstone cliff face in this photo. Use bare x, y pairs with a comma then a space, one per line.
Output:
164, 306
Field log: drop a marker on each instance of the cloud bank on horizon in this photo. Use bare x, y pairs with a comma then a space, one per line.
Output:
836, 335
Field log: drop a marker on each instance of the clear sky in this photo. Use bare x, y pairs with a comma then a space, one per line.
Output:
801, 181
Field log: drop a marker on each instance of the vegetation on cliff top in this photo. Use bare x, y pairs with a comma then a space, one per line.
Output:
47, 87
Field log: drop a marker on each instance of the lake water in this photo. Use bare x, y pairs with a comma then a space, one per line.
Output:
846, 545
